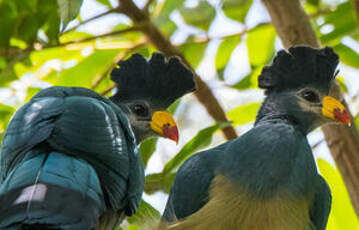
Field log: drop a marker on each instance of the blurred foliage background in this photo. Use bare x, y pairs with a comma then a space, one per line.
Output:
78, 42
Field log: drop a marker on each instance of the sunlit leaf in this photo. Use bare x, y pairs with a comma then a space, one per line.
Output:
344, 23
244, 113
200, 16
193, 52
31, 91
224, 53
347, 55
5, 115
166, 7
105, 2
147, 148
357, 122
260, 44
159, 182
133, 227
165, 25
68, 10
84, 72
74, 36
144, 213
38, 58
342, 84
200, 141
342, 215
249, 81
236, 9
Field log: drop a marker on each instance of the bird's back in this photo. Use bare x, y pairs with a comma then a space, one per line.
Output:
66, 157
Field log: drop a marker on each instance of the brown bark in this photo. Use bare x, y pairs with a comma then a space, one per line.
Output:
203, 93
356, 9
293, 27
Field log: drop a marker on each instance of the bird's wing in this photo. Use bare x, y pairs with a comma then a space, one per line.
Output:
81, 123
321, 207
190, 188
29, 126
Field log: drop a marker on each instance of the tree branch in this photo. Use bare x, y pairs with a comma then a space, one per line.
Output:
117, 32
293, 27
203, 93
356, 10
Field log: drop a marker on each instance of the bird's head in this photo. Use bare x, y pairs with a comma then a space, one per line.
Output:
297, 86
145, 89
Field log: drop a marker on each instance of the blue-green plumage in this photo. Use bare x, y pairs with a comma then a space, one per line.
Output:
69, 157
267, 178
83, 125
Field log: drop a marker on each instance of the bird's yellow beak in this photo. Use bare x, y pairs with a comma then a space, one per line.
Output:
335, 110
164, 124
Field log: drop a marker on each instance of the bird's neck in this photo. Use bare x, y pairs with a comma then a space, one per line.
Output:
270, 110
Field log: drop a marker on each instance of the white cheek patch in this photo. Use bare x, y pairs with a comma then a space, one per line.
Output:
32, 193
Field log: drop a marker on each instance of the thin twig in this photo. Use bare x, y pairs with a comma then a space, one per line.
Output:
208, 39
118, 32
113, 10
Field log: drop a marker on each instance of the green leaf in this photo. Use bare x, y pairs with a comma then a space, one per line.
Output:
342, 214
3, 63
68, 10
200, 141
84, 72
260, 44
5, 115
166, 7
236, 9
144, 213
133, 227
6, 76
31, 91
244, 113
200, 16
165, 24
159, 182
342, 84
249, 81
313, 2
74, 36
344, 23
193, 52
173, 107
147, 148
105, 2
8, 12
356, 120
347, 55
224, 53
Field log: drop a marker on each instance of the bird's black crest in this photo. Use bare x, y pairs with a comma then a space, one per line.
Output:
159, 81
299, 67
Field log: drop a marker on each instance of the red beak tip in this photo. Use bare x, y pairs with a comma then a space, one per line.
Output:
171, 133
342, 116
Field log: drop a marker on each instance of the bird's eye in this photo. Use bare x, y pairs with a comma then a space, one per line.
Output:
310, 96
140, 110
